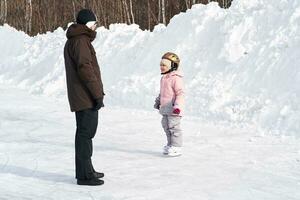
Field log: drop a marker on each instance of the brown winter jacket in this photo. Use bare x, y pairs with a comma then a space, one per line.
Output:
83, 74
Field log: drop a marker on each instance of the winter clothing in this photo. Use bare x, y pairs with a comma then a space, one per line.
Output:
176, 111
85, 94
172, 57
84, 16
166, 149
98, 174
91, 182
157, 103
174, 151
84, 83
170, 103
165, 66
174, 61
171, 126
87, 122
166, 62
99, 103
171, 94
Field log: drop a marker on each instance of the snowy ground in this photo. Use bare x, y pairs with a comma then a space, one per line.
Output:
219, 163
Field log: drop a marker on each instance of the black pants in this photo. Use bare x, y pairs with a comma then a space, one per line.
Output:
86, 122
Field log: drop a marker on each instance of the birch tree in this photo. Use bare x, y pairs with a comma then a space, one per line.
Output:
126, 11
28, 16
163, 11
131, 12
187, 4
225, 4
159, 11
149, 15
74, 10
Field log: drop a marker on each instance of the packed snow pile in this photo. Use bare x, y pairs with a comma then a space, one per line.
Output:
241, 65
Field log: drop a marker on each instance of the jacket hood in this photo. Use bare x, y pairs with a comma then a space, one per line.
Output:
79, 29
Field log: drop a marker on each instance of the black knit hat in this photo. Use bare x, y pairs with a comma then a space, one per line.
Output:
84, 16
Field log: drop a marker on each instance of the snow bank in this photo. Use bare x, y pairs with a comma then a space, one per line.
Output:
241, 65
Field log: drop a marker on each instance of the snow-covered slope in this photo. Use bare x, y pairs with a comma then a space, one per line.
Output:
241, 65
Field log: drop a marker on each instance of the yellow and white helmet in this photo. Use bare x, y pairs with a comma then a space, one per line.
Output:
173, 58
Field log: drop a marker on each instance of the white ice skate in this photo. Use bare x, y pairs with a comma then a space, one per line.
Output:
174, 151
165, 149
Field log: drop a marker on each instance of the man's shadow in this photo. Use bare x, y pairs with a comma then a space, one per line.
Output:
33, 173
101, 148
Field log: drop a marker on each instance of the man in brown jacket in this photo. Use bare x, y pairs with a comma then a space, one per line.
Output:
85, 93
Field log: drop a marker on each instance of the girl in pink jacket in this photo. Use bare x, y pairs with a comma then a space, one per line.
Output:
170, 102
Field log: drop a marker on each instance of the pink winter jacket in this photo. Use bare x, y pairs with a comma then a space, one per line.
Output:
171, 94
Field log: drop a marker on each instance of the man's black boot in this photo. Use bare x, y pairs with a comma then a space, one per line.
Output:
91, 182
98, 174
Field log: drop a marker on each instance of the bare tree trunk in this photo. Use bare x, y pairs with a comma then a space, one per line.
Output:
154, 16
103, 14
163, 10
3, 11
74, 10
55, 15
28, 16
149, 15
126, 11
159, 11
187, 4
131, 12
225, 3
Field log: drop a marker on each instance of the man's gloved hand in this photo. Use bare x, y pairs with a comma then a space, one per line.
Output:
176, 111
99, 103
